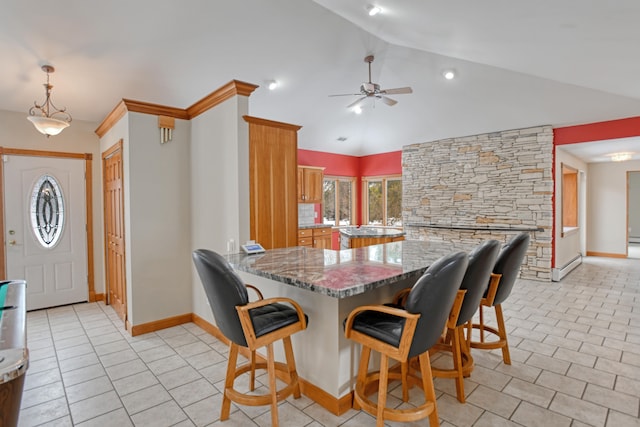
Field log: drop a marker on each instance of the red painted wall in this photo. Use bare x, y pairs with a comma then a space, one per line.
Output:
343, 165
599, 131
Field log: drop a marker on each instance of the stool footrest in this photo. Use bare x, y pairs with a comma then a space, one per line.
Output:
401, 415
259, 399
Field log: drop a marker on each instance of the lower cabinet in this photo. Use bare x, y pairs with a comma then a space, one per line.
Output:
315, 237
369, 241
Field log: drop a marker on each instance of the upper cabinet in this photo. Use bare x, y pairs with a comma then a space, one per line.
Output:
310, 184
273, 154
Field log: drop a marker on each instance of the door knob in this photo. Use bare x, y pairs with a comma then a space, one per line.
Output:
12, 242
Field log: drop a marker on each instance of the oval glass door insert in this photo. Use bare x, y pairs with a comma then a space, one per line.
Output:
47, 211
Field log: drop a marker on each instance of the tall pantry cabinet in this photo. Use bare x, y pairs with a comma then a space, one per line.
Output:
273, 160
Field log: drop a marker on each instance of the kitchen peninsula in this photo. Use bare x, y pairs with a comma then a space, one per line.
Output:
328, 285
358, 237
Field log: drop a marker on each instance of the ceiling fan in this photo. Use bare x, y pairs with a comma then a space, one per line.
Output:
372, 90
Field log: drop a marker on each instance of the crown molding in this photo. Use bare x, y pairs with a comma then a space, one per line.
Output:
231, 89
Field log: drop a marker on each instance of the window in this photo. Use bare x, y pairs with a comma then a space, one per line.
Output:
383, 201
338, 200
47, 211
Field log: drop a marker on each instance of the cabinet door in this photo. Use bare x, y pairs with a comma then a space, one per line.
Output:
323, 242
300, 193
313, 185
272, 174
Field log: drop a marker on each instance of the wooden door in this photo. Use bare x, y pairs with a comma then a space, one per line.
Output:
114, 230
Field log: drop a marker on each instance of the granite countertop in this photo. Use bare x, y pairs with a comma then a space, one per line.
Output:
300, 227
356, 232
341, 274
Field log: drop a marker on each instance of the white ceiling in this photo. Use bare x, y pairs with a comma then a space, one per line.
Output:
519, 63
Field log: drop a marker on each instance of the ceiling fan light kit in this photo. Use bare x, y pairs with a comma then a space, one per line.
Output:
370, 90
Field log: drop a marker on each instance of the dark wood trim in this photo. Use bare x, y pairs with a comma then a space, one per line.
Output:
87, 157
112, 118
88, 190
42, 153
606, 255
156, 325
231, 89
271, 123
134, 106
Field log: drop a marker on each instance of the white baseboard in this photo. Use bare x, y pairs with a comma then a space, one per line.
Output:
558, 273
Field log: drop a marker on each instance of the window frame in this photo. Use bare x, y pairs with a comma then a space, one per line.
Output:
352, 214
365, 197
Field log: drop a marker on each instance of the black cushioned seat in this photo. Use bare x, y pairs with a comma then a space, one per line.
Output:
252, 325
400, 334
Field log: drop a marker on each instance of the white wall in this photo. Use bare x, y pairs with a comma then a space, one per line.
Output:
634, 206
157, 227
219, 185
17, 132
607, 207
567, 247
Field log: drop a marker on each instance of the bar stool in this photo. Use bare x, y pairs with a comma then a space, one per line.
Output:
401, 334
475, 282
252, 325
505, 273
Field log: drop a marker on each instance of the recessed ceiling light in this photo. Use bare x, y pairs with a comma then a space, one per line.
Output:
273, 84
357, 109
449, 74
373, 10
620, 157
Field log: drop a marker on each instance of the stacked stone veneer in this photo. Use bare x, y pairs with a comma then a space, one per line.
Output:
499, 179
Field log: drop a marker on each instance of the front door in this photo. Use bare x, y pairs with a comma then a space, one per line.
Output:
45, 228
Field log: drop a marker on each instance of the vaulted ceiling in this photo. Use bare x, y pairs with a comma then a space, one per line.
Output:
557, 62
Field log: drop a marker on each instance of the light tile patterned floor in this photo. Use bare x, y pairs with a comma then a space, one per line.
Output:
575, 347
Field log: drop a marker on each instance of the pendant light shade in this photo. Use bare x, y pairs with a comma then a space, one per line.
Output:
46, 118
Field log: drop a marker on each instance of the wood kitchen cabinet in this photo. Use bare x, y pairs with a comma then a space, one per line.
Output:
315, 237
273, 163
310, 184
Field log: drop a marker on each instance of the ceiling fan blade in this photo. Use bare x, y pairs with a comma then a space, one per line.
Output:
353, 104
397, 91
390, 102
347, 94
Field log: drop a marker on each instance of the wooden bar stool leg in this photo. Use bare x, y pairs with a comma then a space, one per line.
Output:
427, 386
291, 366
457, 364
271, 368
506, 357
362, 375
382, 389
228, 382
404, 373
481, 325
252, 380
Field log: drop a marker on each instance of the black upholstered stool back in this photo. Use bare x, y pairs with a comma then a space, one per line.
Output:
225, 290
432, 296
476, 279
508, 265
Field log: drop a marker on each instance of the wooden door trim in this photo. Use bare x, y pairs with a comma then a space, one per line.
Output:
118, 146
88, 207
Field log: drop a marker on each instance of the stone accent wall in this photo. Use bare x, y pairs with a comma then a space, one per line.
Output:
496, 180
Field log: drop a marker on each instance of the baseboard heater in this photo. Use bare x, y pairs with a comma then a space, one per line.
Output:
558, 273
